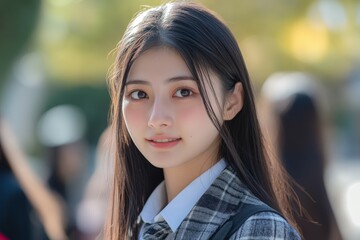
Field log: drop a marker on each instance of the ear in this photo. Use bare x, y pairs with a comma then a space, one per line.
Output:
234, 102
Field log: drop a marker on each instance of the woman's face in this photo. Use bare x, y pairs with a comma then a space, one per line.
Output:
165, 114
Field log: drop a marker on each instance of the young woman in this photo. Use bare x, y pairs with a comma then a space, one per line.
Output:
189, 150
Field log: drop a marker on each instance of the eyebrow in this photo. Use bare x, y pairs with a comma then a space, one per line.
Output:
173, 79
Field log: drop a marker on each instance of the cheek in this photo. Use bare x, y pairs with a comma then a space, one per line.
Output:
195, 118
133, 117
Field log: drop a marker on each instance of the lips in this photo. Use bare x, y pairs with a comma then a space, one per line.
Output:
163, 142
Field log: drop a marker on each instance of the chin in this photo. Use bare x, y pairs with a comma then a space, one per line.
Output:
162, 163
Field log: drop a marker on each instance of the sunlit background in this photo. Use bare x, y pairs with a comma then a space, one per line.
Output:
66, 60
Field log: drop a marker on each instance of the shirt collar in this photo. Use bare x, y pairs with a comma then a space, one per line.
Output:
155, 208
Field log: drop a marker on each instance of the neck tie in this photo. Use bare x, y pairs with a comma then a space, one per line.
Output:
156, 231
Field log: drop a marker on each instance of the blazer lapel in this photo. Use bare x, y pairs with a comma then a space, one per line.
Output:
218, 204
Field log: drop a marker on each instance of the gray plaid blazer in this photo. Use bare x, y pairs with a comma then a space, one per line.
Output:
220, 202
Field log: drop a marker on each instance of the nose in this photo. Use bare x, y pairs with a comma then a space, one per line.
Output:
160, 114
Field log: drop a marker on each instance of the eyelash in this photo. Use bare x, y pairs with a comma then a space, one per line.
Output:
138, 91
130, 95
187, 89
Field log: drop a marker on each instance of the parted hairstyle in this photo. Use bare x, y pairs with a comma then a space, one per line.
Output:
206, 45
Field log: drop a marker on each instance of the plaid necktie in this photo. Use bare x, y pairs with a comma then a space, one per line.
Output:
156, 231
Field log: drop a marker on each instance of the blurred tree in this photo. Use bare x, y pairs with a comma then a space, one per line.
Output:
17, 21
77, 45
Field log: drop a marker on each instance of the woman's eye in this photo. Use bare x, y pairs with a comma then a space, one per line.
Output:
183, 93
138, 95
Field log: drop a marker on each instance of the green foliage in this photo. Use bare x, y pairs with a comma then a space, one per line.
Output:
17, 22
77, 37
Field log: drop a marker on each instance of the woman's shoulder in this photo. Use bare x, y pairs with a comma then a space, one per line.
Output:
266, 225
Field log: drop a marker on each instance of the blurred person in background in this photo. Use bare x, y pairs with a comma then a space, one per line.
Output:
295, 121
20, 188
61, 131
15, 209
91, 212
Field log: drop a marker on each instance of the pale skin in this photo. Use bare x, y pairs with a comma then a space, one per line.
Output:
166, 117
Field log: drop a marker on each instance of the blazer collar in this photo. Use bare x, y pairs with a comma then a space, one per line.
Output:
218, 204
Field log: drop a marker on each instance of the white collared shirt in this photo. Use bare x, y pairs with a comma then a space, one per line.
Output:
175, 211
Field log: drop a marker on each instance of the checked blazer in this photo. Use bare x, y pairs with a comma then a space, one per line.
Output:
220, 202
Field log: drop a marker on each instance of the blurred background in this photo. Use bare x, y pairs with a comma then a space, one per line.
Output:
55, 55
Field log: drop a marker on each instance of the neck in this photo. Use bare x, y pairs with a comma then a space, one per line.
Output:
177, 178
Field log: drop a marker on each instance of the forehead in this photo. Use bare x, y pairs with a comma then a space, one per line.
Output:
160, 63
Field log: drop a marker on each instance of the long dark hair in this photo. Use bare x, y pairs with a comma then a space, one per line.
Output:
205, 44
